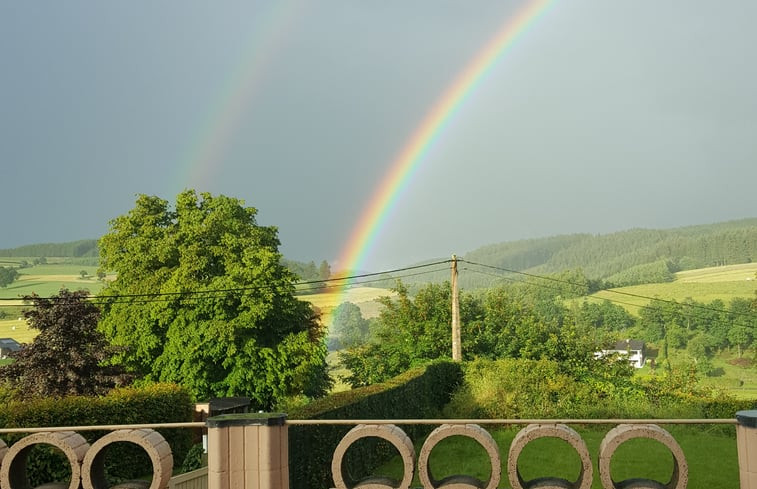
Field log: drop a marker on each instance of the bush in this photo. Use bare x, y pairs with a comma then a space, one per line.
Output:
418, 393
158, 403
520, 388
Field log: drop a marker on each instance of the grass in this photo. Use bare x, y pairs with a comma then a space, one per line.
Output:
18, 330
703, 285
710, 453
363, 297
47, 279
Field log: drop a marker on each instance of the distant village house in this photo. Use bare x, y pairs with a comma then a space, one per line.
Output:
633, 350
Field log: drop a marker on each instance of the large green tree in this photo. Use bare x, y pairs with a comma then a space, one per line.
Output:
201, 298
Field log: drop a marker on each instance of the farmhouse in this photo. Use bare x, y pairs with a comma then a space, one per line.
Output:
631, 349
8, 345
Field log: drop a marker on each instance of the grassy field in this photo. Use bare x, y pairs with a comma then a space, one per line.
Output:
48, 279
554, 458
363, 297
18, 330
702, 285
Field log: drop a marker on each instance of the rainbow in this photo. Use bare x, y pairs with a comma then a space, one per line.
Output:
406, 164
268, 31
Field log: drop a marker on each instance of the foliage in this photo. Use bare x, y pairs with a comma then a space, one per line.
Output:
647, 273
414, 330
159, 403
417, 393
68, 355
194, 458
526, 388
7, 276
82, 248
227, 322
349, 325
409, 332
308, 271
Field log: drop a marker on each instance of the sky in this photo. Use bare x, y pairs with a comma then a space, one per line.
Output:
602, 116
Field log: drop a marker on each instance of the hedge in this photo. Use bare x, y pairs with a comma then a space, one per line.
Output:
159, 403
415, 394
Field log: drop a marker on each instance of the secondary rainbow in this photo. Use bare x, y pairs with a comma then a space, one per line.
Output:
268, 31
373, 218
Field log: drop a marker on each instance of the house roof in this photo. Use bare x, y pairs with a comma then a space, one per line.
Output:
9, 344
629, 344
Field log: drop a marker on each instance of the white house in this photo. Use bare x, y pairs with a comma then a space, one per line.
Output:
8, 345
631, 349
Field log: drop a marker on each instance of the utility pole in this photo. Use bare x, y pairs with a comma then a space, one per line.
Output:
457, 354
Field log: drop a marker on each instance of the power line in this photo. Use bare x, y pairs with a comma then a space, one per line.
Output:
216, 293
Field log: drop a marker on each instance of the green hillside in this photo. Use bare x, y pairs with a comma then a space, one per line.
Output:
72, 249
624, 258
702, 285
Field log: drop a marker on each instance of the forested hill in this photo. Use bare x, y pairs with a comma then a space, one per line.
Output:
622, 258
615, 257
72, 249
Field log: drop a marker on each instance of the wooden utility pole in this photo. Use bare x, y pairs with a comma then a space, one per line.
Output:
457, 354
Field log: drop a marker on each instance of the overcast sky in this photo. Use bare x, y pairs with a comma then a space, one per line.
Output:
605, 115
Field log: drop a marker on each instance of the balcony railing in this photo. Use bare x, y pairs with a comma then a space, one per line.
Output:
250, 451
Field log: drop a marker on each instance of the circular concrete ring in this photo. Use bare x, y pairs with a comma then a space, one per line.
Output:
561, 431
390, 433
624, 432
93, 467
459, 482
13, 468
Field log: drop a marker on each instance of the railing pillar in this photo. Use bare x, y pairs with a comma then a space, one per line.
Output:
746, 441
248, 451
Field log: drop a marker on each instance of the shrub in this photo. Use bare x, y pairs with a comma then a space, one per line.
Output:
158, 403
418, 393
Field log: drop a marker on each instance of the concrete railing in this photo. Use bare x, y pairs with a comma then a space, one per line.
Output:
251, 451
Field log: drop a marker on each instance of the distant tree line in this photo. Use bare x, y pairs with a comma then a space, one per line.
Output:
73, 249
308, 271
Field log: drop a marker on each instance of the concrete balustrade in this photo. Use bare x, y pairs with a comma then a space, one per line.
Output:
624, 432
472, 431
93, 465
3, 450
390, 433
13, 468
250, 451
562, 432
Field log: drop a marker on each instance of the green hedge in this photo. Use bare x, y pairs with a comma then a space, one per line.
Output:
159, 403
415, 394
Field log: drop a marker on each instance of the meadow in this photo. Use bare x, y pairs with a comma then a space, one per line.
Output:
47, 279
363, 297
703, 285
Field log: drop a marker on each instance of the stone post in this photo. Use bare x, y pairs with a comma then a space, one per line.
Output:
248, 451
746, 441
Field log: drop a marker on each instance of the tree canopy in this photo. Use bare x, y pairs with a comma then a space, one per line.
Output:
415, 330
69, 356
7, 276
201, 298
